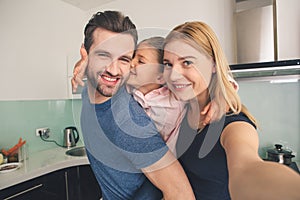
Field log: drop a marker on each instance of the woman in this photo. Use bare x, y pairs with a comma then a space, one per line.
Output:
221, 159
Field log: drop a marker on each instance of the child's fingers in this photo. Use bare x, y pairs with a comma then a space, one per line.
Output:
80, 81
83, 53
211, 113
208, 118
79, 66
75, 81
205, 109
79, 69
74, 85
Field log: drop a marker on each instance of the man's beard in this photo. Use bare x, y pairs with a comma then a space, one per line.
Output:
104, 90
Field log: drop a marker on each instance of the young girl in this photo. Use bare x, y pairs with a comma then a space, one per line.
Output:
147, 85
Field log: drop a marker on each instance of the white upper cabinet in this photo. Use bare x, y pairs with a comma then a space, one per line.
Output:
288, 29
268, 30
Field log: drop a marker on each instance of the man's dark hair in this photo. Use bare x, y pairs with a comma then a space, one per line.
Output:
109, 20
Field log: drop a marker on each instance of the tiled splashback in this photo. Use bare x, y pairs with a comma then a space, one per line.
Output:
21, 118
276, 106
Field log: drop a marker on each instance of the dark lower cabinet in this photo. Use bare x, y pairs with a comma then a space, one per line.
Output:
87, 190
75, 183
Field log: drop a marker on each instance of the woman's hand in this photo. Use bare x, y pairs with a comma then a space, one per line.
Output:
79, 69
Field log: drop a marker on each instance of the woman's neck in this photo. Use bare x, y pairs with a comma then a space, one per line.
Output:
196, 105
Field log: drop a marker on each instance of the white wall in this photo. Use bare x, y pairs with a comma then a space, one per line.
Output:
39, 37
159, 17
36, 36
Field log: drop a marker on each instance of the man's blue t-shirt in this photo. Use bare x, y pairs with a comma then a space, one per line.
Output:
120, 139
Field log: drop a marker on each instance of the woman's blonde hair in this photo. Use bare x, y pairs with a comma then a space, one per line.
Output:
200, 36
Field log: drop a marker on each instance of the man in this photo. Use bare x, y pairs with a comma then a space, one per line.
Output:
122, 142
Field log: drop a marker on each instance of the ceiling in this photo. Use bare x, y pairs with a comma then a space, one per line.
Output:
87, 4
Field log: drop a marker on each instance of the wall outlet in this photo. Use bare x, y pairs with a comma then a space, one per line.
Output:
45, 132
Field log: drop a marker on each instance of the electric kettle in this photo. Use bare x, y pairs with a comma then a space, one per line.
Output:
71, 136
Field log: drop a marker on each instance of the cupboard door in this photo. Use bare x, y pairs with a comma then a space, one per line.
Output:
74, 183
89, 187
22, 191
55, 185
49, 187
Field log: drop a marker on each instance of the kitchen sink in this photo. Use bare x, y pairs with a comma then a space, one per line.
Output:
77, 151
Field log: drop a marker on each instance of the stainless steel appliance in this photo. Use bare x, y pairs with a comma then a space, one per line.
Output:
71, 136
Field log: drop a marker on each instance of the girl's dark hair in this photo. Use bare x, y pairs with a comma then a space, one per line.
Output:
109, 20
157, 43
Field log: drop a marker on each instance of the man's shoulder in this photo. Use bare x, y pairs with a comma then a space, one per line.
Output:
126, 109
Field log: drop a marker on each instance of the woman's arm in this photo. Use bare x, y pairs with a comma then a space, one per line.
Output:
249, 176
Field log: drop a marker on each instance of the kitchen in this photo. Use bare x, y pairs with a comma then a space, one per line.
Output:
42, 98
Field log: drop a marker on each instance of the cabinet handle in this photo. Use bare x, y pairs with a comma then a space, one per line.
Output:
24, 191
67, 185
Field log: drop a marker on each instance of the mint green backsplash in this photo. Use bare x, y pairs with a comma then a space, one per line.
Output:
276, 106
21, 118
